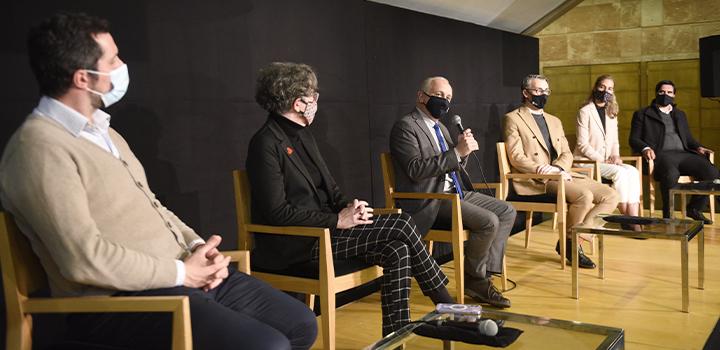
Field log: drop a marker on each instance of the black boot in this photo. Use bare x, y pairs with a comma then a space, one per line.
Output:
440, 295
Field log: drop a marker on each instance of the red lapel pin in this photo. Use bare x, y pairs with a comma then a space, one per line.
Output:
289, 151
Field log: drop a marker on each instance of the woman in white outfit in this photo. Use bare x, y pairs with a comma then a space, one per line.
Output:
597, 139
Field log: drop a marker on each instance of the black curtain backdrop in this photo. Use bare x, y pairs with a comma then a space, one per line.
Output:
190, 110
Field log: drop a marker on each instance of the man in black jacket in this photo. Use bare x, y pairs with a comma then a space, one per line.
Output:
661, 133
291, 185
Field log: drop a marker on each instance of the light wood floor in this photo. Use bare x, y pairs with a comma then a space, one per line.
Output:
641, 292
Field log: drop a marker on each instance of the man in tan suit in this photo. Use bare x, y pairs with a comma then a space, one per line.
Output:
536, 144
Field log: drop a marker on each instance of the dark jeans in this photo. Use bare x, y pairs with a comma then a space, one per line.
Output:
670, 165
241, 313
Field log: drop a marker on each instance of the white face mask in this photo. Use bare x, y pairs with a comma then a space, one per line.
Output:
309, 113
119, 78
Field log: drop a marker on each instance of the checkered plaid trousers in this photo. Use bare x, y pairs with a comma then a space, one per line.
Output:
392, 242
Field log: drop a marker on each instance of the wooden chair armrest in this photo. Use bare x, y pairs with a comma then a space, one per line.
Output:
585, 161
108, 304
242, 257
557, 177
386, 211
423, 195
481, 185
635, 159
289, 230
589, 171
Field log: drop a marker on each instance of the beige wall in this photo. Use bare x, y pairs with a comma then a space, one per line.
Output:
615, 31
639, 42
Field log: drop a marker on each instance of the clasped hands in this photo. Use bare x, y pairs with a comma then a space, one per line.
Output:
355, 213
206, 267
550, 169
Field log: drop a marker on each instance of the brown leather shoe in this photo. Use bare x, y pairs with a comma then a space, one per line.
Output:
483, 291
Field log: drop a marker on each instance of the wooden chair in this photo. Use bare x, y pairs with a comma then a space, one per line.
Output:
324, 278
637, 163
558, 206
681, 180
457, 235
23, 275
590, 172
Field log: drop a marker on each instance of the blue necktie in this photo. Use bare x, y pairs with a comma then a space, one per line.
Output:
443, 148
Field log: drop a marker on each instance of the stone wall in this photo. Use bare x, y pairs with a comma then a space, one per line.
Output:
615, 31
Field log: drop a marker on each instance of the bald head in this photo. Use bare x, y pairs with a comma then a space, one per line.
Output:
427, 84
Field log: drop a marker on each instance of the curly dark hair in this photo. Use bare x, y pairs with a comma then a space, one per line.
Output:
280, 83
62, 44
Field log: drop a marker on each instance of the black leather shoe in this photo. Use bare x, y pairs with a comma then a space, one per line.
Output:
698, 215
583, 261
483, 291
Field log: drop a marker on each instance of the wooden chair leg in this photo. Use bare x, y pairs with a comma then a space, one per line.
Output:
593, 243
327, 316
528, 227
712, 208
429, 246
459, 261
554, 226
20, 335
683, 205
310, 301
562, 237
651, 195
503, 277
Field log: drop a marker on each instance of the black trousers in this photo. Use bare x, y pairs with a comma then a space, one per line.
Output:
392, 242
669, 166
242, 313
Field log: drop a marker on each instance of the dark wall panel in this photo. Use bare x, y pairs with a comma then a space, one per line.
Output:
190, 109
485, 67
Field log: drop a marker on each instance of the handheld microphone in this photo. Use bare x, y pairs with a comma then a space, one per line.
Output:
484, 327
458, 122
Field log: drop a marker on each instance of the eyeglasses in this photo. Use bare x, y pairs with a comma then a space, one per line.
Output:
540, 91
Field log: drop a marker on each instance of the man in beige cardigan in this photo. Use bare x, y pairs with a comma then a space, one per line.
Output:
536, 144
81, 197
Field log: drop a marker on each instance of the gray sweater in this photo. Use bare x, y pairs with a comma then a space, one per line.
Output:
90, 217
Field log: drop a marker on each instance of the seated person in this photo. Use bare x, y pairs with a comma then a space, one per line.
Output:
536, 144
81, 197
597, 139
660, 132
423, 154
292, 185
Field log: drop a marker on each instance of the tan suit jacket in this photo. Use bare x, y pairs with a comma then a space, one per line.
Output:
593, 141
527, 150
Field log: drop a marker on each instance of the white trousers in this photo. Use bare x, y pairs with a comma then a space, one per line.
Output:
625, 179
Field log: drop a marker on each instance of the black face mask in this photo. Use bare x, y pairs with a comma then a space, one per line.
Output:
437, 106
664, 100
539, 101
602, 96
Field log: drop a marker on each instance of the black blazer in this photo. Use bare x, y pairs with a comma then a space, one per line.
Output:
648, 129
283, 195
420, 168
